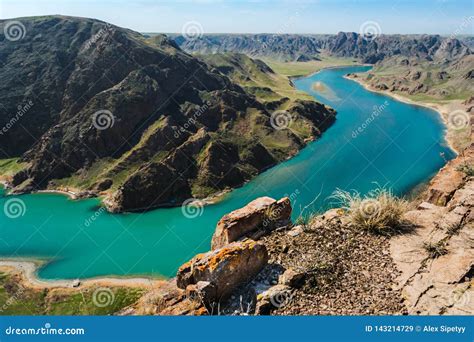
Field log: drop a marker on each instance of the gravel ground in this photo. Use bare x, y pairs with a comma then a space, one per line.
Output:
348, 271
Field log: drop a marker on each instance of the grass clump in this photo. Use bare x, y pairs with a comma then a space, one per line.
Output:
468, 170
303, 220
378, 211
454, 228
435, 249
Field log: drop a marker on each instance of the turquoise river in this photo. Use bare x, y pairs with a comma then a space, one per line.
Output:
375, 139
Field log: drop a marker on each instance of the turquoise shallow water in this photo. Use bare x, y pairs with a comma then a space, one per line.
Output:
399, 146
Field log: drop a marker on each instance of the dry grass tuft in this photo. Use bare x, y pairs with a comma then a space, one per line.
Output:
435, 249
379, 211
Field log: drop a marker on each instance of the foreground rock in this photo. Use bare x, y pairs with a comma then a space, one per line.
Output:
262, 214
450, 178
218, 273
437, 260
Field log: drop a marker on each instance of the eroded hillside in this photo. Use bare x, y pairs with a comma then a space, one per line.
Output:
114, 111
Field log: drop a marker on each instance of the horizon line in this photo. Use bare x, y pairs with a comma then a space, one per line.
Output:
233, 33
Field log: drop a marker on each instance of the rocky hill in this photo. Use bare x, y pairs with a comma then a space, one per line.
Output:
287, 47
97, 107
449, 80
468, 41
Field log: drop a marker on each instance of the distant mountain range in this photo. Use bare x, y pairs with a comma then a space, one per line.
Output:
292, 47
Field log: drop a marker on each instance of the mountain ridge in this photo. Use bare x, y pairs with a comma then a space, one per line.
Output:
304, 47
119, 112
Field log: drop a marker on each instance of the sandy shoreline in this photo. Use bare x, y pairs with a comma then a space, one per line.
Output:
70, 194
28, 270
440, 109
297, 77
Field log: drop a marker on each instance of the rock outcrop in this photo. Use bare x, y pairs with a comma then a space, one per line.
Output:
262, 214
450, 178
216, 274
437, 259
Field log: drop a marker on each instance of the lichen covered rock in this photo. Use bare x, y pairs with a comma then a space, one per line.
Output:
224, 269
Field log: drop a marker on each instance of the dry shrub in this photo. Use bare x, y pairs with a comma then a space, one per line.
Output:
378, 211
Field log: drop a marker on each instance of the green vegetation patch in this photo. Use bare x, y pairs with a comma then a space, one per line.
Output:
15, 299
298, 69
8, 167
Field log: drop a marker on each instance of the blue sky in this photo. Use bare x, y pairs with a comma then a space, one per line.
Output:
258, 16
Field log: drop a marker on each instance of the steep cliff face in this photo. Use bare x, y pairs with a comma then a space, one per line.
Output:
110, 109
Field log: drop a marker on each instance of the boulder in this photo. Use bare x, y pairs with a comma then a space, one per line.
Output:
292, 278
218, 272
264, 213
295, 231
276, 297
203, 292
445, 183
441, 285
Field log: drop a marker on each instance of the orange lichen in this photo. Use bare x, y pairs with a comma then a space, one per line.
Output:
230, 253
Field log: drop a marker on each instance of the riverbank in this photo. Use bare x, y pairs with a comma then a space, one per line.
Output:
443, 110
305, 69
28, 272
312, 73
71, 194
68, 193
